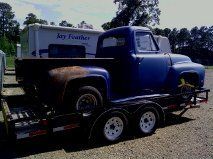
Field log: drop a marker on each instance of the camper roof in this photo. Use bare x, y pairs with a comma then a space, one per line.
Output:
38, 26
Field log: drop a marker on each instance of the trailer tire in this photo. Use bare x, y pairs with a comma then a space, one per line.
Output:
112, 127
87, 99
147, 121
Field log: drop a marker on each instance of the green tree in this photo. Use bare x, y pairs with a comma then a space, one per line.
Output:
210, 42
52, 23
167, 31
5, 44
205, 37
183, 37
6, 16
12, 49
194, 42
41, 21
14, 33
85, 25
158, 31
163, 32
135, 12
107, 26
8, 26
173, 39
32, 18
9, 29
65, 24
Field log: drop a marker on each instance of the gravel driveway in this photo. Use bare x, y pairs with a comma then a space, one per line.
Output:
190, 136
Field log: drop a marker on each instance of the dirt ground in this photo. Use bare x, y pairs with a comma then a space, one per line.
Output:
189, 136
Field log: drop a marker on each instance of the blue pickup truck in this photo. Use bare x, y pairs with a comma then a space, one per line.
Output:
128, 63
129, 83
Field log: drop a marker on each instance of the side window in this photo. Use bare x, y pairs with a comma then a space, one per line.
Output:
145, 42
113, 41
66, 51
113, 46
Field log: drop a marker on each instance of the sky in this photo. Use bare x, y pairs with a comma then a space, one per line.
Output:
174, 13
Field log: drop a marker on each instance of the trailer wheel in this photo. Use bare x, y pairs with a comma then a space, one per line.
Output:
87, 99
147, 119
113, 127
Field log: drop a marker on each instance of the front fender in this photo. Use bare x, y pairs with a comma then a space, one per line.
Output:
180, 69
60, 78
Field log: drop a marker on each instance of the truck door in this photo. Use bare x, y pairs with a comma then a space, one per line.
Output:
152, 66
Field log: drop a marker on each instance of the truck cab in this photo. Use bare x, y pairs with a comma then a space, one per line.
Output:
142, 67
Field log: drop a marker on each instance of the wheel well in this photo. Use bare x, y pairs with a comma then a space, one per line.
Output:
192, 78
97, 82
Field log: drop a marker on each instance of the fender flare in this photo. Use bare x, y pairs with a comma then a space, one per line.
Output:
86, 79
184, 73
176, 75
188, 72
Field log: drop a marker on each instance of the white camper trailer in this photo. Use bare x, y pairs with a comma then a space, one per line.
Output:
43, 41
163, 43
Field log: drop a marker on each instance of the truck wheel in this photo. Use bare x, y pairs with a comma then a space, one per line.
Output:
185, 88
113, 127
87, 99
147, 120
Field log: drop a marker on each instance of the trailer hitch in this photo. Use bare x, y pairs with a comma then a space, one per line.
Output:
196, 100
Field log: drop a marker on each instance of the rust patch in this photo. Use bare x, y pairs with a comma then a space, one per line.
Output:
65, 73
60, 77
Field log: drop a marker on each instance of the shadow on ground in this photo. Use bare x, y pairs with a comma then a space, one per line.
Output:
69, 142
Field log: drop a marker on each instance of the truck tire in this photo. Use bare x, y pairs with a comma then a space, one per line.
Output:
112, 127
87, 99
185, 88
147, 121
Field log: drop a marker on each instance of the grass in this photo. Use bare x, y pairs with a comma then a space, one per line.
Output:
209, 67
10, 61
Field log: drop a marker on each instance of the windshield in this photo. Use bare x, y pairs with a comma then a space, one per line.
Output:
145, 42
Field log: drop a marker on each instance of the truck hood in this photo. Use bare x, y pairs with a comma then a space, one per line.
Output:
177, 58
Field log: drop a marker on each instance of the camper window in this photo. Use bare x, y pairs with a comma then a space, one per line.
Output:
66, 51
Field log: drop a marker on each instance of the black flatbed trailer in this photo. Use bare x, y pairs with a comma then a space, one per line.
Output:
24, 119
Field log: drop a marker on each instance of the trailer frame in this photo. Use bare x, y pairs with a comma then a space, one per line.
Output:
23, 120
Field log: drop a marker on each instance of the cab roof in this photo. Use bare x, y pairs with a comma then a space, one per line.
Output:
124, 30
